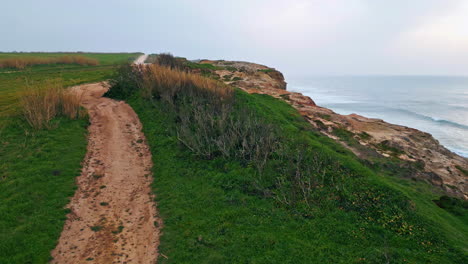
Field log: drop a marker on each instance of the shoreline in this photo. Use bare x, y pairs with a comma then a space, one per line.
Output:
458, 151
447, 132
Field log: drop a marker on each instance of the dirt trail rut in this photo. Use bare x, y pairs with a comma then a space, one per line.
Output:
141, 59
113, 215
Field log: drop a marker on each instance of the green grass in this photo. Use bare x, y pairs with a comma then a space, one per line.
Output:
103, 58
464, 171
266, 70
213, 213
202, 66
12, 81
37, 175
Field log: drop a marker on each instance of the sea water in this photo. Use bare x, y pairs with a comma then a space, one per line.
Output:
434, 104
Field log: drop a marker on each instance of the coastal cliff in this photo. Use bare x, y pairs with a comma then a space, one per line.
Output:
418, 153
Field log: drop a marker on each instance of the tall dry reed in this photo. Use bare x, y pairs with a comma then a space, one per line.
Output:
168, 83
42, 103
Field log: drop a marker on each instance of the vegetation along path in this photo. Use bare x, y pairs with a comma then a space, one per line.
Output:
112, 215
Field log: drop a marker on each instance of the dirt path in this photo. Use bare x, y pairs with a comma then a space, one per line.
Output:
141, 59
113, 215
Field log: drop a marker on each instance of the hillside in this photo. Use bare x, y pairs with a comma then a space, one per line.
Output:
373, 140
245, 178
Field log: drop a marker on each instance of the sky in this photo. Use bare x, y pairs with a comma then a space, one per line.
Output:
298, 37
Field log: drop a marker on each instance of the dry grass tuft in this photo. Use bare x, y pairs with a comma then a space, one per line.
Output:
169, 83
23, 62
42, 103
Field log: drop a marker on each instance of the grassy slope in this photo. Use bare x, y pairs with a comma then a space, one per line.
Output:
37, 175
12, 81
212, 215
38, 168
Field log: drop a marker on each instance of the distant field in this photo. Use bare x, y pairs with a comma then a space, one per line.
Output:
103, 58
12, 81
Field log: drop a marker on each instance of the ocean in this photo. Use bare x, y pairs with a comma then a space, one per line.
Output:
434, 104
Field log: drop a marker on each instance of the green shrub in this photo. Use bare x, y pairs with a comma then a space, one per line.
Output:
266, 70
464, 171
227, 78
231, 68
453, 205
386, 146
364, 135
206, 66
211, 130
124, 82
168, 60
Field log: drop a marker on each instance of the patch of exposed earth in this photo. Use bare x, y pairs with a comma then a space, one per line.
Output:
113, 217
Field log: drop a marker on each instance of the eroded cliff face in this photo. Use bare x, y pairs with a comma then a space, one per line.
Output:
248, 75
368, 138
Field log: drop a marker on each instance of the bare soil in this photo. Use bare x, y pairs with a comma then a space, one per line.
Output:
113, 216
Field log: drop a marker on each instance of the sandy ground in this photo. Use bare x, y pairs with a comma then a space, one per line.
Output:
113, 214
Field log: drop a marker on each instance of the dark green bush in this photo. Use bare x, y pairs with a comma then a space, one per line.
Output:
453, 205
168, 60
211, 129
124, 82
306, 177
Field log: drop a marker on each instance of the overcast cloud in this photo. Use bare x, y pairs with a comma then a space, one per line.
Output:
295, 36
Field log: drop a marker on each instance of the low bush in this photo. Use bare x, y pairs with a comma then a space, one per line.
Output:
305, 176
125, 81
202, 66
453, 205
464, 171
211, 131
266, 70
168, 60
